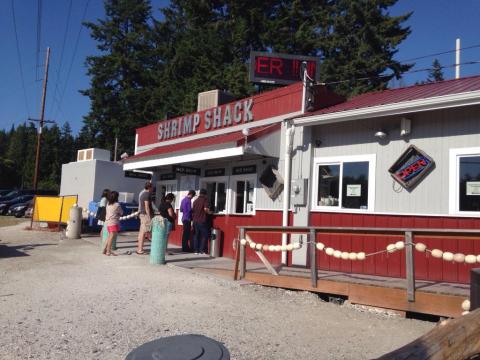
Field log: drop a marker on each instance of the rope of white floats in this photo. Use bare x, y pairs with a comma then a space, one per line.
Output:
345, 255
126, 217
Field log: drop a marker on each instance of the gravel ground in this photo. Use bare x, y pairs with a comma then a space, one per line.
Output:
61, 299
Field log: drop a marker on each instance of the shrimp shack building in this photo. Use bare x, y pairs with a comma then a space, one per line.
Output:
399, 158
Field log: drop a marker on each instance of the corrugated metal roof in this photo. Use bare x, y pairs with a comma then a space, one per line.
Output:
415, 92
236, 138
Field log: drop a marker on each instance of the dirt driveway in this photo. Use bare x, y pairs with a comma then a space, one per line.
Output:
61, 299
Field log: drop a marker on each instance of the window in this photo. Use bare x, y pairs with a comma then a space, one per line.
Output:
216, 194
243, 190
465, 177
344, 183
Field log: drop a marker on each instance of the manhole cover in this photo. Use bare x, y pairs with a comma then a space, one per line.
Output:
181, 347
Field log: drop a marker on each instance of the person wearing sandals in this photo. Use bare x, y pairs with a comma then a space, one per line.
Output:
167, 212
112, 221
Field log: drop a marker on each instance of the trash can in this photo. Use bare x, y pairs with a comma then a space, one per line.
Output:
74, 226
215, 241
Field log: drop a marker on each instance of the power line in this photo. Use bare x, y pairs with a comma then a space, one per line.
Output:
39, 36
74, 52
440, 53
389, 75
59, 69
19, 57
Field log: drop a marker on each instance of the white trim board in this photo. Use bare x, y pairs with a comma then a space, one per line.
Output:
205, 155
453, 176
404, 107
222, 131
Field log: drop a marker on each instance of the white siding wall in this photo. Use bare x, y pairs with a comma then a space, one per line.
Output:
433, 132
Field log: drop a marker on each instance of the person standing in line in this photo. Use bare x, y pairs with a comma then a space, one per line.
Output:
166, 211
186, 209
145, 210
112, 221
102, 209
200, 209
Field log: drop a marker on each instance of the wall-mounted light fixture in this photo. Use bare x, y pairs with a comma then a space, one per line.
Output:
381, 134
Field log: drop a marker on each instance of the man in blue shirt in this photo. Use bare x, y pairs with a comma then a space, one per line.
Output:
186, 209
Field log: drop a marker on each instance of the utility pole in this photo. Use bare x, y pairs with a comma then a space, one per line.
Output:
41, 121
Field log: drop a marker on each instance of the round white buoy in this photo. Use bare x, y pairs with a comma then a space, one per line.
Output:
352, 256
447, 256
345, 255
265, 247
284, 248
296, 246
278, 247
459, 257
478, 258
391, 248
290, 247
420, 247
399, 245
252, 245
470, 259
320, 246
259, 246
466, 305
436, 253
361, 256
243, 242
271, 247
337, 254
329, 251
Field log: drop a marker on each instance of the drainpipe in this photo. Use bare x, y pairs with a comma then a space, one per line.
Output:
289, 132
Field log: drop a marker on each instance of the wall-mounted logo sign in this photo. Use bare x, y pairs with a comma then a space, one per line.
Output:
411, 167
214, 172
177, 169
272, 68
137, 175
249, 169
168, 176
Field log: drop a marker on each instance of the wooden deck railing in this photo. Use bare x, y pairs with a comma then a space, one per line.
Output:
409, 235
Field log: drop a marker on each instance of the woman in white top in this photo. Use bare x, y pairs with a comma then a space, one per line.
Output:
112, 221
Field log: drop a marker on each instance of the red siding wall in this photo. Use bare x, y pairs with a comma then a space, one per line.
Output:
228, 224
426, 267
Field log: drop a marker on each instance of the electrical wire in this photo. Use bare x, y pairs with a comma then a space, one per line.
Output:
25, 98
39, 37
74, 54
59, 69
440, 53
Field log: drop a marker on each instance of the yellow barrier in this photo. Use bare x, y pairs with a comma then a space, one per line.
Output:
55, 209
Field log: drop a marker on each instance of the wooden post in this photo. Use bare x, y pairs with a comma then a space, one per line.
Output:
410, 266
313, 257
474, 289
242, 254
237, 258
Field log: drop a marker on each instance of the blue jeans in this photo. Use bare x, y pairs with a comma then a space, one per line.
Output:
200, 237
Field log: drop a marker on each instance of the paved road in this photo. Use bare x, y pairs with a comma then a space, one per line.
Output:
61, 299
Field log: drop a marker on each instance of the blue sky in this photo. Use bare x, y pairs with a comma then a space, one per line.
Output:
435, 25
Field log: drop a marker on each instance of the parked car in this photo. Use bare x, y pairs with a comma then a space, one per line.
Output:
4, 192
18, 210
5, 205
16, 193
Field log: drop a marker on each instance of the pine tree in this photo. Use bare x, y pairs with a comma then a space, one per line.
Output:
121, 79
436, 73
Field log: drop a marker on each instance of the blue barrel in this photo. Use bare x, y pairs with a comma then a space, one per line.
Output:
159, 241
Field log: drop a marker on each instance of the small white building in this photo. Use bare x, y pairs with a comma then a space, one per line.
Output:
93, 172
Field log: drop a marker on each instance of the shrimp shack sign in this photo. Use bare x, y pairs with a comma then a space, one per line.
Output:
216, 118
257, 110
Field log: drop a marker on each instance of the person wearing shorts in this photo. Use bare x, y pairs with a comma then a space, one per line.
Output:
145, 210
112, 221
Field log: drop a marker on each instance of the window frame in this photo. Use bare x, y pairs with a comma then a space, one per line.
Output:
454, 177
217, 179
340, 160
233, 192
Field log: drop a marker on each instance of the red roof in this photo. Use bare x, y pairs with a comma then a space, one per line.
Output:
415, 92
237, 138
